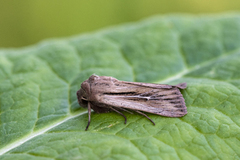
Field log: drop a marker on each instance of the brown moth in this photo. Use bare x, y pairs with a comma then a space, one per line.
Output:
104, 94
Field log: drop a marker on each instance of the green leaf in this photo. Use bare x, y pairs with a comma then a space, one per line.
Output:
41, 119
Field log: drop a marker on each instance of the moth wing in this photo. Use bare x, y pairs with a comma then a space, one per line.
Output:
155, 85
165, 102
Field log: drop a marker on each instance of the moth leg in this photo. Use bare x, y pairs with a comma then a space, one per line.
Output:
145, 116
89, 115
120, 113
125, 110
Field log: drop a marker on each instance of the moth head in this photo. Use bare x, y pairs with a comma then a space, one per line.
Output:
83, 94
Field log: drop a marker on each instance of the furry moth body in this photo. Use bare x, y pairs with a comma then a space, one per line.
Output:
104, 94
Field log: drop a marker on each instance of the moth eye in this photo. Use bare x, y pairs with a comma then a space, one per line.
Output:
84, 100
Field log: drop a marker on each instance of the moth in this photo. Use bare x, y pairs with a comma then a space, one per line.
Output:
104, 94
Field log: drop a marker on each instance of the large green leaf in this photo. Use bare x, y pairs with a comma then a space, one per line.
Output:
41, 119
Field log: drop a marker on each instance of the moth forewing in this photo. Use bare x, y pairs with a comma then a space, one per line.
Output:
104, 94
168, 103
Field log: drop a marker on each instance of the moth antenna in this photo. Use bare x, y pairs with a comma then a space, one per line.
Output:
145, 116
89, 115
120, 113
125, 110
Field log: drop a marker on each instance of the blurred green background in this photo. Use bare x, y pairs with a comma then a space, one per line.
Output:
27, 22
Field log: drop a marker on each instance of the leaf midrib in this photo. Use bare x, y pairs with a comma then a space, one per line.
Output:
201, 65
37, 133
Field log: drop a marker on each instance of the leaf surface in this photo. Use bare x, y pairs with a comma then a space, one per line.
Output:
41, 119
